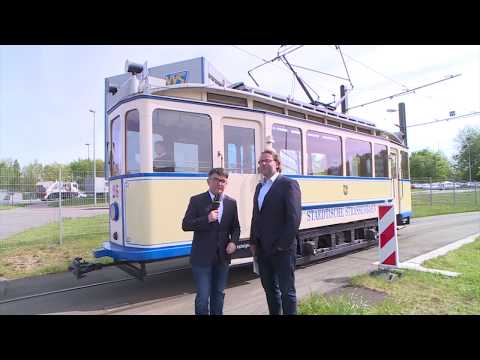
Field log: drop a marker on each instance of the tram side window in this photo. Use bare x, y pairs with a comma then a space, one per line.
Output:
324, 154
181, 141
381, 160
239, 149
404, 165
358, 157
132, 141
287, 142
116, 149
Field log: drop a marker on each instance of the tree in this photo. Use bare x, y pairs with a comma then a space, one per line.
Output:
9, 174
468, 156
51, 172
429, 164
31, 175
86, 166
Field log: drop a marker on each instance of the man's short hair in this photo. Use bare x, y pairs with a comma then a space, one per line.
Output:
219, 172
276, 158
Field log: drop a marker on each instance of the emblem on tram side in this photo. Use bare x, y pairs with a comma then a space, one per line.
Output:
345, 189
115, 191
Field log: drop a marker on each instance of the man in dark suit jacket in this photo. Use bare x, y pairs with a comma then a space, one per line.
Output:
277, 212
213, 217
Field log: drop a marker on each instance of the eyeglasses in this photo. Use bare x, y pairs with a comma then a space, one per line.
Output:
267, 161
220, 181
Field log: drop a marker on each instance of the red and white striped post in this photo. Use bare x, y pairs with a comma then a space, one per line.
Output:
387, 228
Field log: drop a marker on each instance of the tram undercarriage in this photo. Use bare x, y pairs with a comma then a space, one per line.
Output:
313, 244
327, 241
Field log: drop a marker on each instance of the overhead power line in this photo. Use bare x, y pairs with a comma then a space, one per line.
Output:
447, 119
286, 51
320, 72
375, 71
405, 92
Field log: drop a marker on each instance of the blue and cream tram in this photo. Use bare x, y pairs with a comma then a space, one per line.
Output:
165, 130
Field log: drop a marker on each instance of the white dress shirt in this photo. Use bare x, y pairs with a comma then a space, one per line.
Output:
220, 209
267, 184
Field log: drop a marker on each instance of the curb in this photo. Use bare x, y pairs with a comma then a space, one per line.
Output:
415, 263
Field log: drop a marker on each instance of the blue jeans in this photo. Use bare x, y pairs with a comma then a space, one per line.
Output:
278, 280
210, 282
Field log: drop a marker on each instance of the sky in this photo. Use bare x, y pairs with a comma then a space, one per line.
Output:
46, 91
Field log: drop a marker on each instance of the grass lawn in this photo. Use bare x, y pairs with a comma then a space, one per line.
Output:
443, 203
10, 207
427, 210
37, 251
79, 202
413, 292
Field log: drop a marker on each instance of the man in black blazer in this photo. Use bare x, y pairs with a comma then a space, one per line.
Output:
277, 211
213, 218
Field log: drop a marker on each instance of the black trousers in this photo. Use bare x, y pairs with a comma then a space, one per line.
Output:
277, 273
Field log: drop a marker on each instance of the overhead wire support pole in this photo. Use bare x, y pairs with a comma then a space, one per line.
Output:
404, 92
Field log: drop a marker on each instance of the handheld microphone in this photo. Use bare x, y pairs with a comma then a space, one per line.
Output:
216, 202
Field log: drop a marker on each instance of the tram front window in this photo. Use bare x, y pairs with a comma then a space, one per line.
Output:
115, 150
132, 141
404, 165
181, 141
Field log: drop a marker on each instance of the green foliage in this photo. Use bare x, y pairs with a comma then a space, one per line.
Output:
468, 147
414, 292
86, 166
429, 164
16, 179
37, 251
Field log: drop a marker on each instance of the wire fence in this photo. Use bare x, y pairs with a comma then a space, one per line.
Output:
56, 209
38, 211
440, 192
75, 188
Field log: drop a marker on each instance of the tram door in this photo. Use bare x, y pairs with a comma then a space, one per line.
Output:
394, 175
241, 150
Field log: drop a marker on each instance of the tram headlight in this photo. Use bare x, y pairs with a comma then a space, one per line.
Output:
114, 211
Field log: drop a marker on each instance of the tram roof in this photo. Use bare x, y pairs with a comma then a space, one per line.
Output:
157, 87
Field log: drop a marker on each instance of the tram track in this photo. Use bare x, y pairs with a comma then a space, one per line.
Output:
60, 291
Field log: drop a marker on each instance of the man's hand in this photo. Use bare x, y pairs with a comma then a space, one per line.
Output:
231, 247
253, 249
213, 216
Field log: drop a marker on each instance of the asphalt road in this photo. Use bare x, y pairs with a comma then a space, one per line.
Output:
20, 219
173, 292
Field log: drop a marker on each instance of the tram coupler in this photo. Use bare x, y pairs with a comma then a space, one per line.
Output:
79, 268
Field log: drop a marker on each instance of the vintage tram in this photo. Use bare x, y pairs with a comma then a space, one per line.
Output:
165, 127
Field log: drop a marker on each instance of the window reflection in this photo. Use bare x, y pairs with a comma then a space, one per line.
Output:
381, 160
181, 141
132, 141
239, 149
324, 154
404, 165
358, 158
288, 144
115, 151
